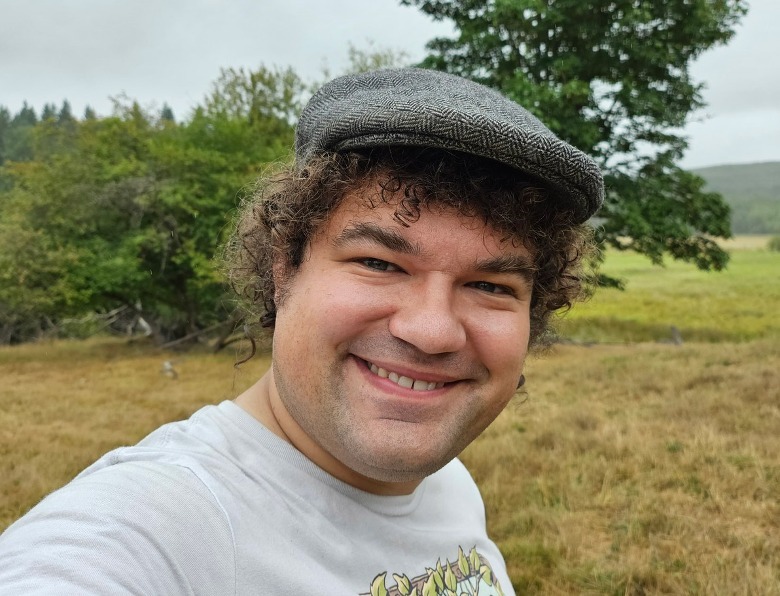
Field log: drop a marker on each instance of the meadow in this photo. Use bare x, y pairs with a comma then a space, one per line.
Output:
629, 464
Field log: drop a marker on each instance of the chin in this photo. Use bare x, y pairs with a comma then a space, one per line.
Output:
396, 465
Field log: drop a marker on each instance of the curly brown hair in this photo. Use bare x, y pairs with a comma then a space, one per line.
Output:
276, 225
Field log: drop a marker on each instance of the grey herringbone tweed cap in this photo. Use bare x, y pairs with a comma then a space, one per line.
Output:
426, 108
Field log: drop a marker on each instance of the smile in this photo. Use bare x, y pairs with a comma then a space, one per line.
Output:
402, 381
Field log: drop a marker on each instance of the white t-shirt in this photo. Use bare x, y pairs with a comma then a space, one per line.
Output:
218, 504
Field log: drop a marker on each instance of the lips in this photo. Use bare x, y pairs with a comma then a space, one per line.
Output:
403, 381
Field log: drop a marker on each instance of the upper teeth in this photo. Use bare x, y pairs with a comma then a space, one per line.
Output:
407, 382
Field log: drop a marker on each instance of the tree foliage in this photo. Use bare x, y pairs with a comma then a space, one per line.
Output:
612, 77
129, 210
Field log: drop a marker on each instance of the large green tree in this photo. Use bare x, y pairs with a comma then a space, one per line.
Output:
613, 78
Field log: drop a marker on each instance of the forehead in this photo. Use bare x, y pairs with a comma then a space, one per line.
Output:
428, 227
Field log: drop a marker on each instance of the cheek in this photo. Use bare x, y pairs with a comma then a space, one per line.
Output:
502, 341
316, 313
342, 308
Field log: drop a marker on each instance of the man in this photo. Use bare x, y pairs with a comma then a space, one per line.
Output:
425, 234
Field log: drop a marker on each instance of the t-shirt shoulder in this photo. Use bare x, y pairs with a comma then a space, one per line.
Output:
135, 527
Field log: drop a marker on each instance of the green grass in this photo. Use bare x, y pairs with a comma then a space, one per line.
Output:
732, 305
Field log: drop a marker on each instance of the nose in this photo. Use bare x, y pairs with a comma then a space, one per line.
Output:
427, 318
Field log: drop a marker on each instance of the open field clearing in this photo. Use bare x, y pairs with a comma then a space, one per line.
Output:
753, 242
623, 468
737, 304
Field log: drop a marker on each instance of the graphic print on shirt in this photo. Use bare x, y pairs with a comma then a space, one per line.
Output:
470, 575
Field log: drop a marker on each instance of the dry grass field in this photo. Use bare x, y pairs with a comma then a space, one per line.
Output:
624, 468
642, 469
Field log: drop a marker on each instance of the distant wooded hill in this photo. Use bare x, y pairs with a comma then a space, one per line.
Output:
752, 190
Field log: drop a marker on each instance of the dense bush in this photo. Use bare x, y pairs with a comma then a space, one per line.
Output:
129, 210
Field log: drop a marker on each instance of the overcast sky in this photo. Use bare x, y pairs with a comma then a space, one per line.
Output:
170, 51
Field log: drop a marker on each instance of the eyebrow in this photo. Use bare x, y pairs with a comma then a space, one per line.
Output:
513, 264
391, 239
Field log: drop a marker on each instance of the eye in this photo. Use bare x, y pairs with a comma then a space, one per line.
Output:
379, 265
490, 288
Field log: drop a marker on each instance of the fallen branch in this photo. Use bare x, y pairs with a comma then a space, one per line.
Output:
194, 335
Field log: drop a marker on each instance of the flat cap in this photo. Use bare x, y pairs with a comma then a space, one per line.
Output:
426, 108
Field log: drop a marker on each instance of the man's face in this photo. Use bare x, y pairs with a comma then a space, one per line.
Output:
394, 347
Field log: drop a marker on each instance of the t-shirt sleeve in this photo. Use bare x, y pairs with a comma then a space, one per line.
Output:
130, 528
